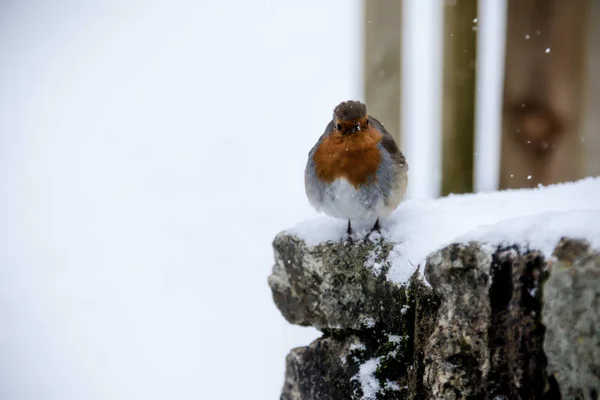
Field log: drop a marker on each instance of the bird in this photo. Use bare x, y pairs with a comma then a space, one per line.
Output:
355, 171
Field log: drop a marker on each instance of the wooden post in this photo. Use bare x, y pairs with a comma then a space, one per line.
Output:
382, 62
458, 110
543, 92
590, 120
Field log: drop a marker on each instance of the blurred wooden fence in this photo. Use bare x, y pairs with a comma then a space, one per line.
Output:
551, 102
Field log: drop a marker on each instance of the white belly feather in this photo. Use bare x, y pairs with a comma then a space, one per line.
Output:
343, 200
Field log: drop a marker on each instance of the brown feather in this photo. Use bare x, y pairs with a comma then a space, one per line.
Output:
354, 157
350, 110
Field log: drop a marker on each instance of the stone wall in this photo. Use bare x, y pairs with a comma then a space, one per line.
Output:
483, 323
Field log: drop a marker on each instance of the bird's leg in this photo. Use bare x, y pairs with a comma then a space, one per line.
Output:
349, 233
376, 227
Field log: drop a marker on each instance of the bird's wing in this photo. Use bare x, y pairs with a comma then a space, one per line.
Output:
389, 144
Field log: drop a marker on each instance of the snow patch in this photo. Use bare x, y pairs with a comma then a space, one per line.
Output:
539, 217
366, 377
391, 385
374, 265
367, 322
541, 231
357, 346
394, 338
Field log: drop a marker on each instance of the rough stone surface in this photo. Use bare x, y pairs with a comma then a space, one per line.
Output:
457, 353
488, 339
330, 286
330, 367
515, 337
319, 371
571, 315
341, 288
496, 322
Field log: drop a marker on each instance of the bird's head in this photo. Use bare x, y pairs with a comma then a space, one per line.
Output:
350, 117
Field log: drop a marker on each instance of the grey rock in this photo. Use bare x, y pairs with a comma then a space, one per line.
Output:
488, 336
516, 334
331, 287
319, 371
496, 322
571, 314
335, 366
457, 355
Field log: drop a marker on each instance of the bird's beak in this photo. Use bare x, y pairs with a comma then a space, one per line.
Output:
353, 129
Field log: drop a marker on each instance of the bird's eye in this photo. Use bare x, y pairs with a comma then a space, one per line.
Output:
338, 127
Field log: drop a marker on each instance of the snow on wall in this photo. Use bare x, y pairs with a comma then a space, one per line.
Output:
536, 216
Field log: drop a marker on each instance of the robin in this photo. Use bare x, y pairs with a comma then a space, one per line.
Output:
355, 171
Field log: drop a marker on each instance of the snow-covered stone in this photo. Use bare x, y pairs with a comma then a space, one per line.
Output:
480, 296
332, 286
419, 227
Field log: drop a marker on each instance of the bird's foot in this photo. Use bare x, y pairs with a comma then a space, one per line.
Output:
376, 228
349, 233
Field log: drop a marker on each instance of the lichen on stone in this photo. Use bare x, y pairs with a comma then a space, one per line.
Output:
330, 286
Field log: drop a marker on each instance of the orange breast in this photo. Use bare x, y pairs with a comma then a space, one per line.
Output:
353, 157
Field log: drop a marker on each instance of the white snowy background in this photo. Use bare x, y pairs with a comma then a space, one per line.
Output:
149, 152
